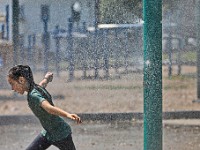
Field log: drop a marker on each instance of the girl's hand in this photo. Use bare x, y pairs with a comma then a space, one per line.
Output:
49, 76
76, 118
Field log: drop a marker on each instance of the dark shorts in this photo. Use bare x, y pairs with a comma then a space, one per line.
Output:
41, 143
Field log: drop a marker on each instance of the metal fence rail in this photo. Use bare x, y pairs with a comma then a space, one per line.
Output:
110, 47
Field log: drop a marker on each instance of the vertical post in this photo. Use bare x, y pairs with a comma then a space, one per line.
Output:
96, 65
136, 43
96, 57
152, 11
169, 50
116, 39
33, 51
29, 56
45, 15
7, 22
179, 55
169, 46
57, 56
84, 44
3, 31
46, 46
57, 41
126, 52
15, 38
198, 47
96, 7
106, 53
21, 45
181, 43
70, 50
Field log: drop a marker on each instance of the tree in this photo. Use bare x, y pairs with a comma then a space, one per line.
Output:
128, 11
118, 11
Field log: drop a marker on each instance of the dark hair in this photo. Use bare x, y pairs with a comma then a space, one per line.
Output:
22, 71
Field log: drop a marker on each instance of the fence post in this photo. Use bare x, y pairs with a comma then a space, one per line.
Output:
116, 39
33, 51
169, 50
29, 56
70, 50
84, 50
169, 45
7, 22
46, 46
197, 17
179, 55
15, 38
96, 64
96, 57
136, 52
152, 14
57, 42
21, 45
46, 37
106, 53
126, 52
3, 31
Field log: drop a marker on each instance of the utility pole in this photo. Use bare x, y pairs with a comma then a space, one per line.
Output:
152, 14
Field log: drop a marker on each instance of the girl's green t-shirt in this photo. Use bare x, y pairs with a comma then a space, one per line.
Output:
55, 128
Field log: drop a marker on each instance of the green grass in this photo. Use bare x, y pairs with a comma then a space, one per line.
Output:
182, 77
189, 56
175, 87
111, 87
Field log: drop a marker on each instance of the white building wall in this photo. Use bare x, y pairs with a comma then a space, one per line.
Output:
3, 4
60, 11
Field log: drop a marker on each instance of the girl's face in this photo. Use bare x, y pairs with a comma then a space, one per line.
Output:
19, 85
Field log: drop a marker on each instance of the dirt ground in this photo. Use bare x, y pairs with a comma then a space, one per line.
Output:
104, 136
113, 95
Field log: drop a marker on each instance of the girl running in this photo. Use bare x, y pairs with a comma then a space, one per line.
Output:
56, 131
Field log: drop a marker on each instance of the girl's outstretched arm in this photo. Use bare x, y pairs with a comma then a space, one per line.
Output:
59, 112
47, 78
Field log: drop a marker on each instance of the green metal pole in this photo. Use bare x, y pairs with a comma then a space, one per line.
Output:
15, 8
197, 17
152, 34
